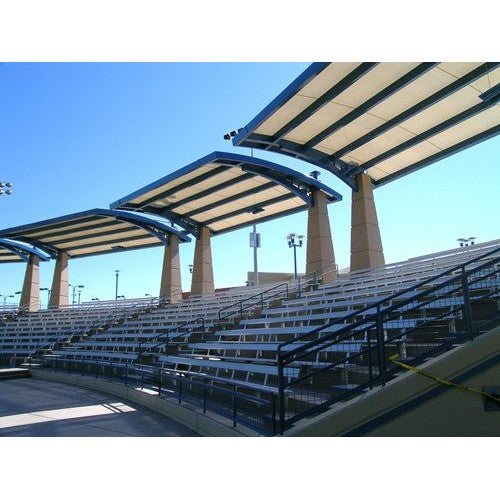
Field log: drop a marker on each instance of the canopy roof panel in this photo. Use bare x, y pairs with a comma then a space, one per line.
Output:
387, 119
18, 251
94, 232
224, 192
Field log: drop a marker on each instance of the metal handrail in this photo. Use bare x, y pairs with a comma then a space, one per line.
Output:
240, 303
167, 333
311, 277
377, 340
391, 298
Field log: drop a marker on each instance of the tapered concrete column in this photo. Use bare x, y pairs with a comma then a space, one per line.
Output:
366, 244
203, 274
170, 287
320, 256
59, 292
30, 295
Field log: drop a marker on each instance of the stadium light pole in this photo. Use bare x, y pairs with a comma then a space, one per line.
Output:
255, 244
294, 241
117, 272
74, 292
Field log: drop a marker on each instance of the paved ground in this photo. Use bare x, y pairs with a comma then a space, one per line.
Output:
34, 407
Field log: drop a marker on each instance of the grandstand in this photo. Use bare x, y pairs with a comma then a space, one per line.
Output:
271, 358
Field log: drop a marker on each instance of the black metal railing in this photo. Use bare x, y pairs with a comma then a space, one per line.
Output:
282, 291
174, 332
338, 360
258, 299
346, 356
257, 413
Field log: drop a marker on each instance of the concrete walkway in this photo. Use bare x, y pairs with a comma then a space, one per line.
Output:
33, 407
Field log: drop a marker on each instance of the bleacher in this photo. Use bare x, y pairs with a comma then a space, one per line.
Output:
27, 334
254, 341
169, 324
232, 338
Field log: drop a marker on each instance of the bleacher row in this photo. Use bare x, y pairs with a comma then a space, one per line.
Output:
188, 338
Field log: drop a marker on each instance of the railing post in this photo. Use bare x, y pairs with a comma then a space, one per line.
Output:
467, 304
159, 382
142, 378
126, 374
370, 365
180, 388
204, 395
381, 346
281, 392
234, 406
274, 415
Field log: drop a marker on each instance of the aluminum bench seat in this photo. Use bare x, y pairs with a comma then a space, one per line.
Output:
230, 366
95, 354
270, 346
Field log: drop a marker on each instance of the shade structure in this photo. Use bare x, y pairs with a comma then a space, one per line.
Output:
386, 119
93, 232
224, 192
18, 251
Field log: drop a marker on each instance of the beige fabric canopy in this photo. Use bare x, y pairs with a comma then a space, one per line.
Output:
387, 119
226, 191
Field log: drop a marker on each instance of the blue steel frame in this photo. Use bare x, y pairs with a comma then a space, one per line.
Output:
22, 250
156, 228
295, 182
248, 138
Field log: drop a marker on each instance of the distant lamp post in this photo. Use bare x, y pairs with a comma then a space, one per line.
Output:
294, 241
465, 242
7, 185
117, 273
5, 297
74, 292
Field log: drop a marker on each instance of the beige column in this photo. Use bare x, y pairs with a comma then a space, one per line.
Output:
30, 295
366, 244
203, 275
170, 287
320, 256
60, 291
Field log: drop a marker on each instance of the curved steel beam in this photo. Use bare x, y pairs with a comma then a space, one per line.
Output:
23, 250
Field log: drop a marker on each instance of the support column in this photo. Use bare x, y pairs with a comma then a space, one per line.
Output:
59, 292
30, 295
320, 256
366, 244
170, 287
203, 275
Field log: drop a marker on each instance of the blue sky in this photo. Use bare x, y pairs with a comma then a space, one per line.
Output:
75, 136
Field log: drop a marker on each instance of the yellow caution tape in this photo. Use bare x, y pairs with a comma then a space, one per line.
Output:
442, 381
